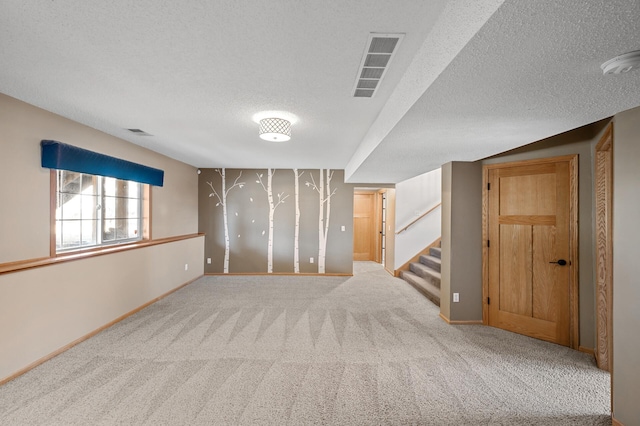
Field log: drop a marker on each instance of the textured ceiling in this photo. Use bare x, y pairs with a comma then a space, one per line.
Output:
532, 71
470, 79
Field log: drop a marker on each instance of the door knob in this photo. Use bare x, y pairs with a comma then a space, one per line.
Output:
560, 262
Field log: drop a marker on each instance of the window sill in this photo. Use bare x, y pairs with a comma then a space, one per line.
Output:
7, 268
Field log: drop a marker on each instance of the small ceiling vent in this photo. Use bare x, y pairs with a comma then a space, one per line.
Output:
377, 56
139, 132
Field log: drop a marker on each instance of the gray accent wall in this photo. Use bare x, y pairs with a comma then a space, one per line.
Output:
248, 221
461, 241
626, 268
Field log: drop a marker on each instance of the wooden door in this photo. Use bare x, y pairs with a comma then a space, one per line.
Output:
529, 248
364, 226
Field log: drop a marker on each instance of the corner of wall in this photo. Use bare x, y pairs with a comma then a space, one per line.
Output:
466, 241
445, 282
626, 268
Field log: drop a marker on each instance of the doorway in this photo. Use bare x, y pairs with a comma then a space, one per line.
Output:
367, 226
530, 223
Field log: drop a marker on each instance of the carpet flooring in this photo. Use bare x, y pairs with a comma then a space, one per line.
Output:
282, 350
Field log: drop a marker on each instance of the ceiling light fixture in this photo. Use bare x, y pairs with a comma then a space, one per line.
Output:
275, 129
622, 64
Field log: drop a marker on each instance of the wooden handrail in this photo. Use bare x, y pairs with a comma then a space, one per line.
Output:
418, 218
21, 265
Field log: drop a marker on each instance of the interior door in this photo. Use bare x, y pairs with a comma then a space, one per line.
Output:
364, 226
529, 249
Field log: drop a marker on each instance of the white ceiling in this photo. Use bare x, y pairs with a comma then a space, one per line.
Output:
470, 79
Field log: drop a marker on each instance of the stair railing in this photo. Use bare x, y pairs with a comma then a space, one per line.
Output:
418, 218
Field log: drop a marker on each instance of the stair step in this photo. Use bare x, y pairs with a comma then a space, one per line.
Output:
425, 272
436, 252
423, 286
431, 261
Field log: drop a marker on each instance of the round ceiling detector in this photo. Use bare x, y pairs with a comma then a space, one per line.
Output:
275, 129
622, 64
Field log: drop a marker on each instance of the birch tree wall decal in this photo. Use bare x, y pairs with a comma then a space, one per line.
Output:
223, 202
272, 209
324, 197
296, 234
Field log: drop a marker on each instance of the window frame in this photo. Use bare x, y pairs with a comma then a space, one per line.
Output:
145, 219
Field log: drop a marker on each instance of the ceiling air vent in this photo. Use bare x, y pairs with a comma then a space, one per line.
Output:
377, 56
139, 132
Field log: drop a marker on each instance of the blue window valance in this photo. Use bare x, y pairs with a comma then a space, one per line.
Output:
60, 156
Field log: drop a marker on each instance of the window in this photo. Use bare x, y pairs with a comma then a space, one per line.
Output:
94, 210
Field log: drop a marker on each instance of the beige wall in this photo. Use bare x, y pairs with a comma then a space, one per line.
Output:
580, 141
44, 309
24, 184
626, 267
461, 241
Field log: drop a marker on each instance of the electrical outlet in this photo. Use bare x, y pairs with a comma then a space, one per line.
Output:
186, 266
209, 260
311, 260
344, 228
456, 297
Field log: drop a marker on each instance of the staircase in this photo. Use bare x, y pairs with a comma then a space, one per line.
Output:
425, 275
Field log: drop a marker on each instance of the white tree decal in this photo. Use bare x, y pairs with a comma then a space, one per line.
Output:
272, 208
223, 202
324, 196
296, 249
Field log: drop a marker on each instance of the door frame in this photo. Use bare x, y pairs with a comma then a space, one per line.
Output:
574, 314
377, 218
604, 249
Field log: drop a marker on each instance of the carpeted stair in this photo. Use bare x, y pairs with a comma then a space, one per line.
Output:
425, 275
